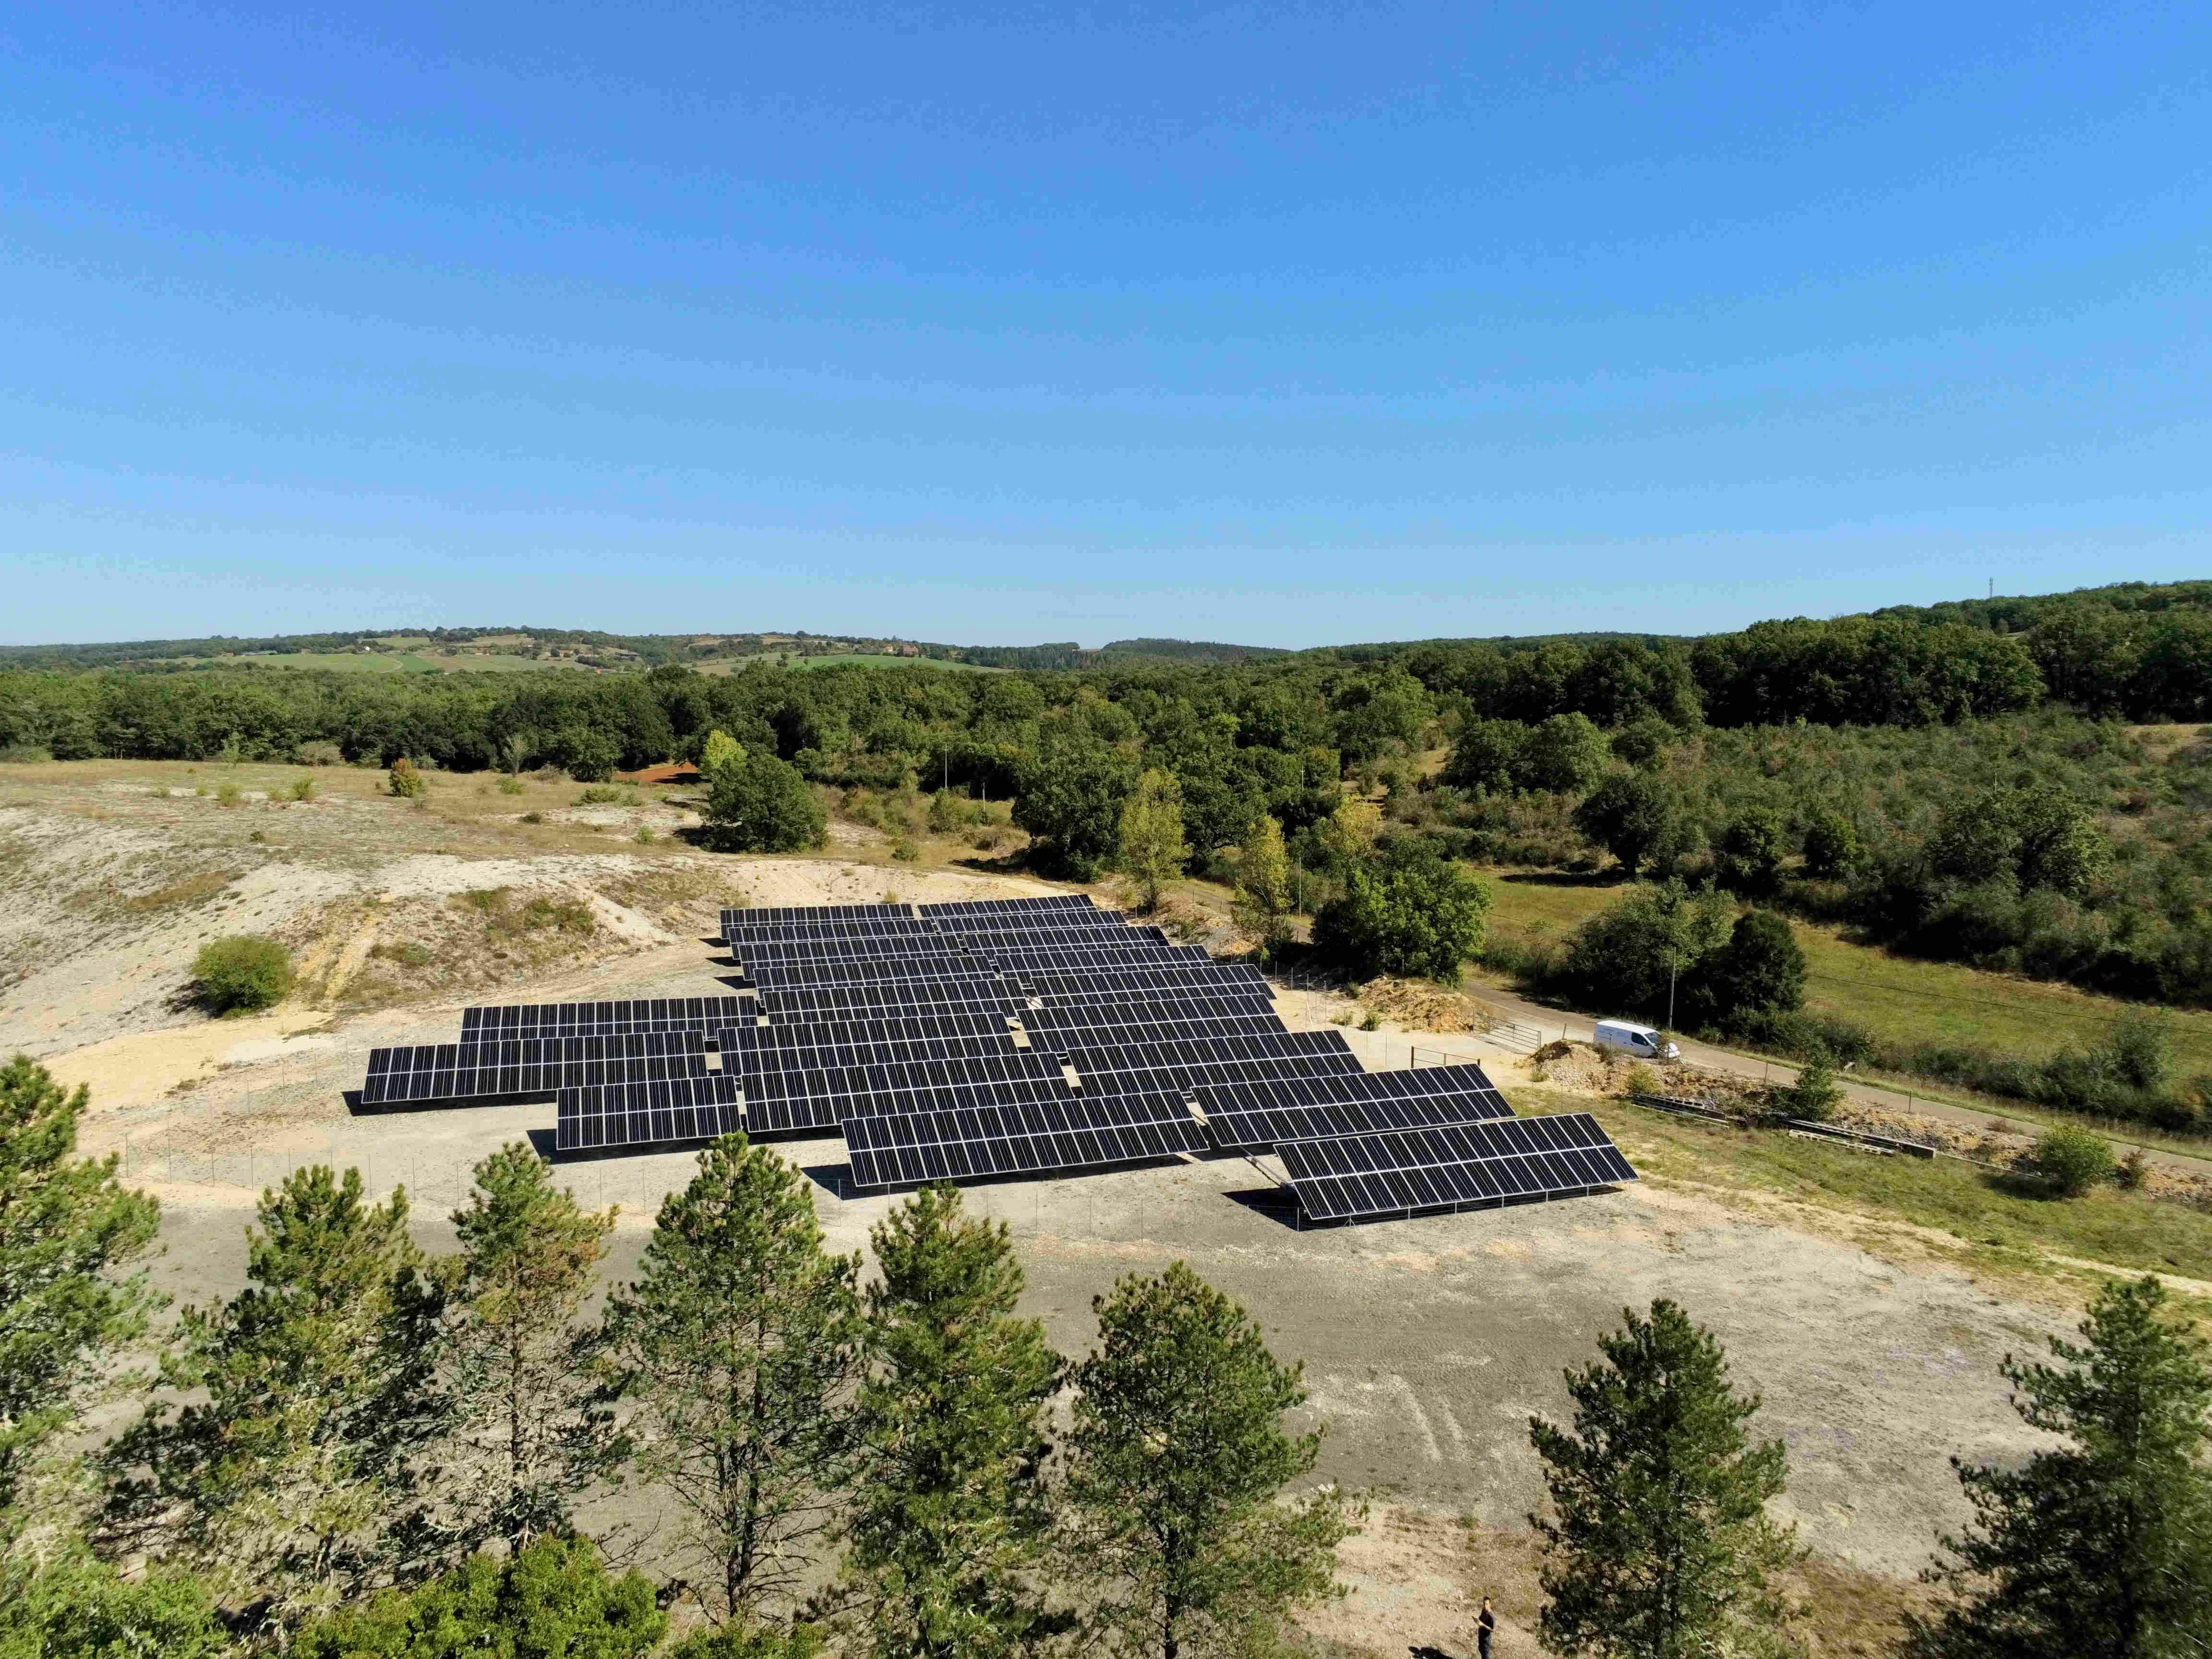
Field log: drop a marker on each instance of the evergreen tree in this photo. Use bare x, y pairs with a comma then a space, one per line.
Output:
739, 1340
1263, 886
553, 1600
293, 1484
950, 1506
1152, 849
71, 1605
2102, 1547
1659, 1544
67, 1230
1178, 1457
536, 1431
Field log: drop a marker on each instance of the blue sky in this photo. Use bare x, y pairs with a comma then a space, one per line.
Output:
1280, 324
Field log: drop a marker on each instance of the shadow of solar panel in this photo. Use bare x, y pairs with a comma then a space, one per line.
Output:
1401, 1172
1253, 1116
610, 1116
951, 1141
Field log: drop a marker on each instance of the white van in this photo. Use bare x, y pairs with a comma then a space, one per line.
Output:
1638, 1040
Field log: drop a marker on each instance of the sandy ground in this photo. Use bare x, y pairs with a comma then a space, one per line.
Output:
1427, 1343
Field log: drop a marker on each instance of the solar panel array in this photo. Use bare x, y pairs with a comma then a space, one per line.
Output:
1003, 1037
1399, 1171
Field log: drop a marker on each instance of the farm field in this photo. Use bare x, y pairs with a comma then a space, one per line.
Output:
401, 662
1903, 999
841, 660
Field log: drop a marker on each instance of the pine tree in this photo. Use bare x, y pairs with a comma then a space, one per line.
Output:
950, 1505
536, 1430
1659, 1545
1263, 886
294, 1484
1178, 1457
67, 1228
740, 1341
1152, 849
2101, 1548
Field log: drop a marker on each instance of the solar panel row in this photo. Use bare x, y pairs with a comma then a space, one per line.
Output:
955, 1142
526, 1066
646, 1114
1397, 1172
601, 1019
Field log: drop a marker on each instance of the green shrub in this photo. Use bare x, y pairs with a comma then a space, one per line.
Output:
554, 1600
1814, 1095
1370, 1021
2072, 1160
240, 973
606, 794
303, 788
533, 818
406, 781
407, 955
1639, 1079
646, 837
24, 753
510, 786
227, 793
320, 754
905, 851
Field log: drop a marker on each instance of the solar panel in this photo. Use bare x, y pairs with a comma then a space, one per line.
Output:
1109, 1067
1046, 904
1250, 1117
786, 1101
784, 1003
812, 913
955, 1142
493, 1068
864, 970
638, 1115
602, 1018
1399, 1171
1058, 1023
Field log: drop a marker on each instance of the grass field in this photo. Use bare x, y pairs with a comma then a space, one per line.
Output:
399, 662
843, 659
2003, 1227
1899, 997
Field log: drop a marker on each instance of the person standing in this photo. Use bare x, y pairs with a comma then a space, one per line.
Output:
1485, 1626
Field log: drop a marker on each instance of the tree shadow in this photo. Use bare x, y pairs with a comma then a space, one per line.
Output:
1615, 876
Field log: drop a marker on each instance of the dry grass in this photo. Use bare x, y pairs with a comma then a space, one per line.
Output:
192, 890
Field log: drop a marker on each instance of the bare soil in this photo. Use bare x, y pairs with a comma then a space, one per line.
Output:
1427, 1343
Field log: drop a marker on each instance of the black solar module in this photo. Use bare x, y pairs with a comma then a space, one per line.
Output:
601, 1019
491, 1068
638, 1115
944, 1140
1399, 1171
1250, 1117
787, 1101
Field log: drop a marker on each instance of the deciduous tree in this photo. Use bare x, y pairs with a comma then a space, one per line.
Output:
1408, 915
1152, 849
758, 804
1263, 886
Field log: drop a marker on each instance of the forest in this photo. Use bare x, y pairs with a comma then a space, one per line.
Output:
1964, 783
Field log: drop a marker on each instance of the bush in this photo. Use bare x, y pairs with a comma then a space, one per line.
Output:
241, 973
1639, 1079
762, 805
645, 837
554, 1600
1759, 973
24, 753
905, 851
510, 784
303, 788
225, 793
406, 781
2072, 1160
605, 794
1409, 914
320, 754
533, 818
1814, 1096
